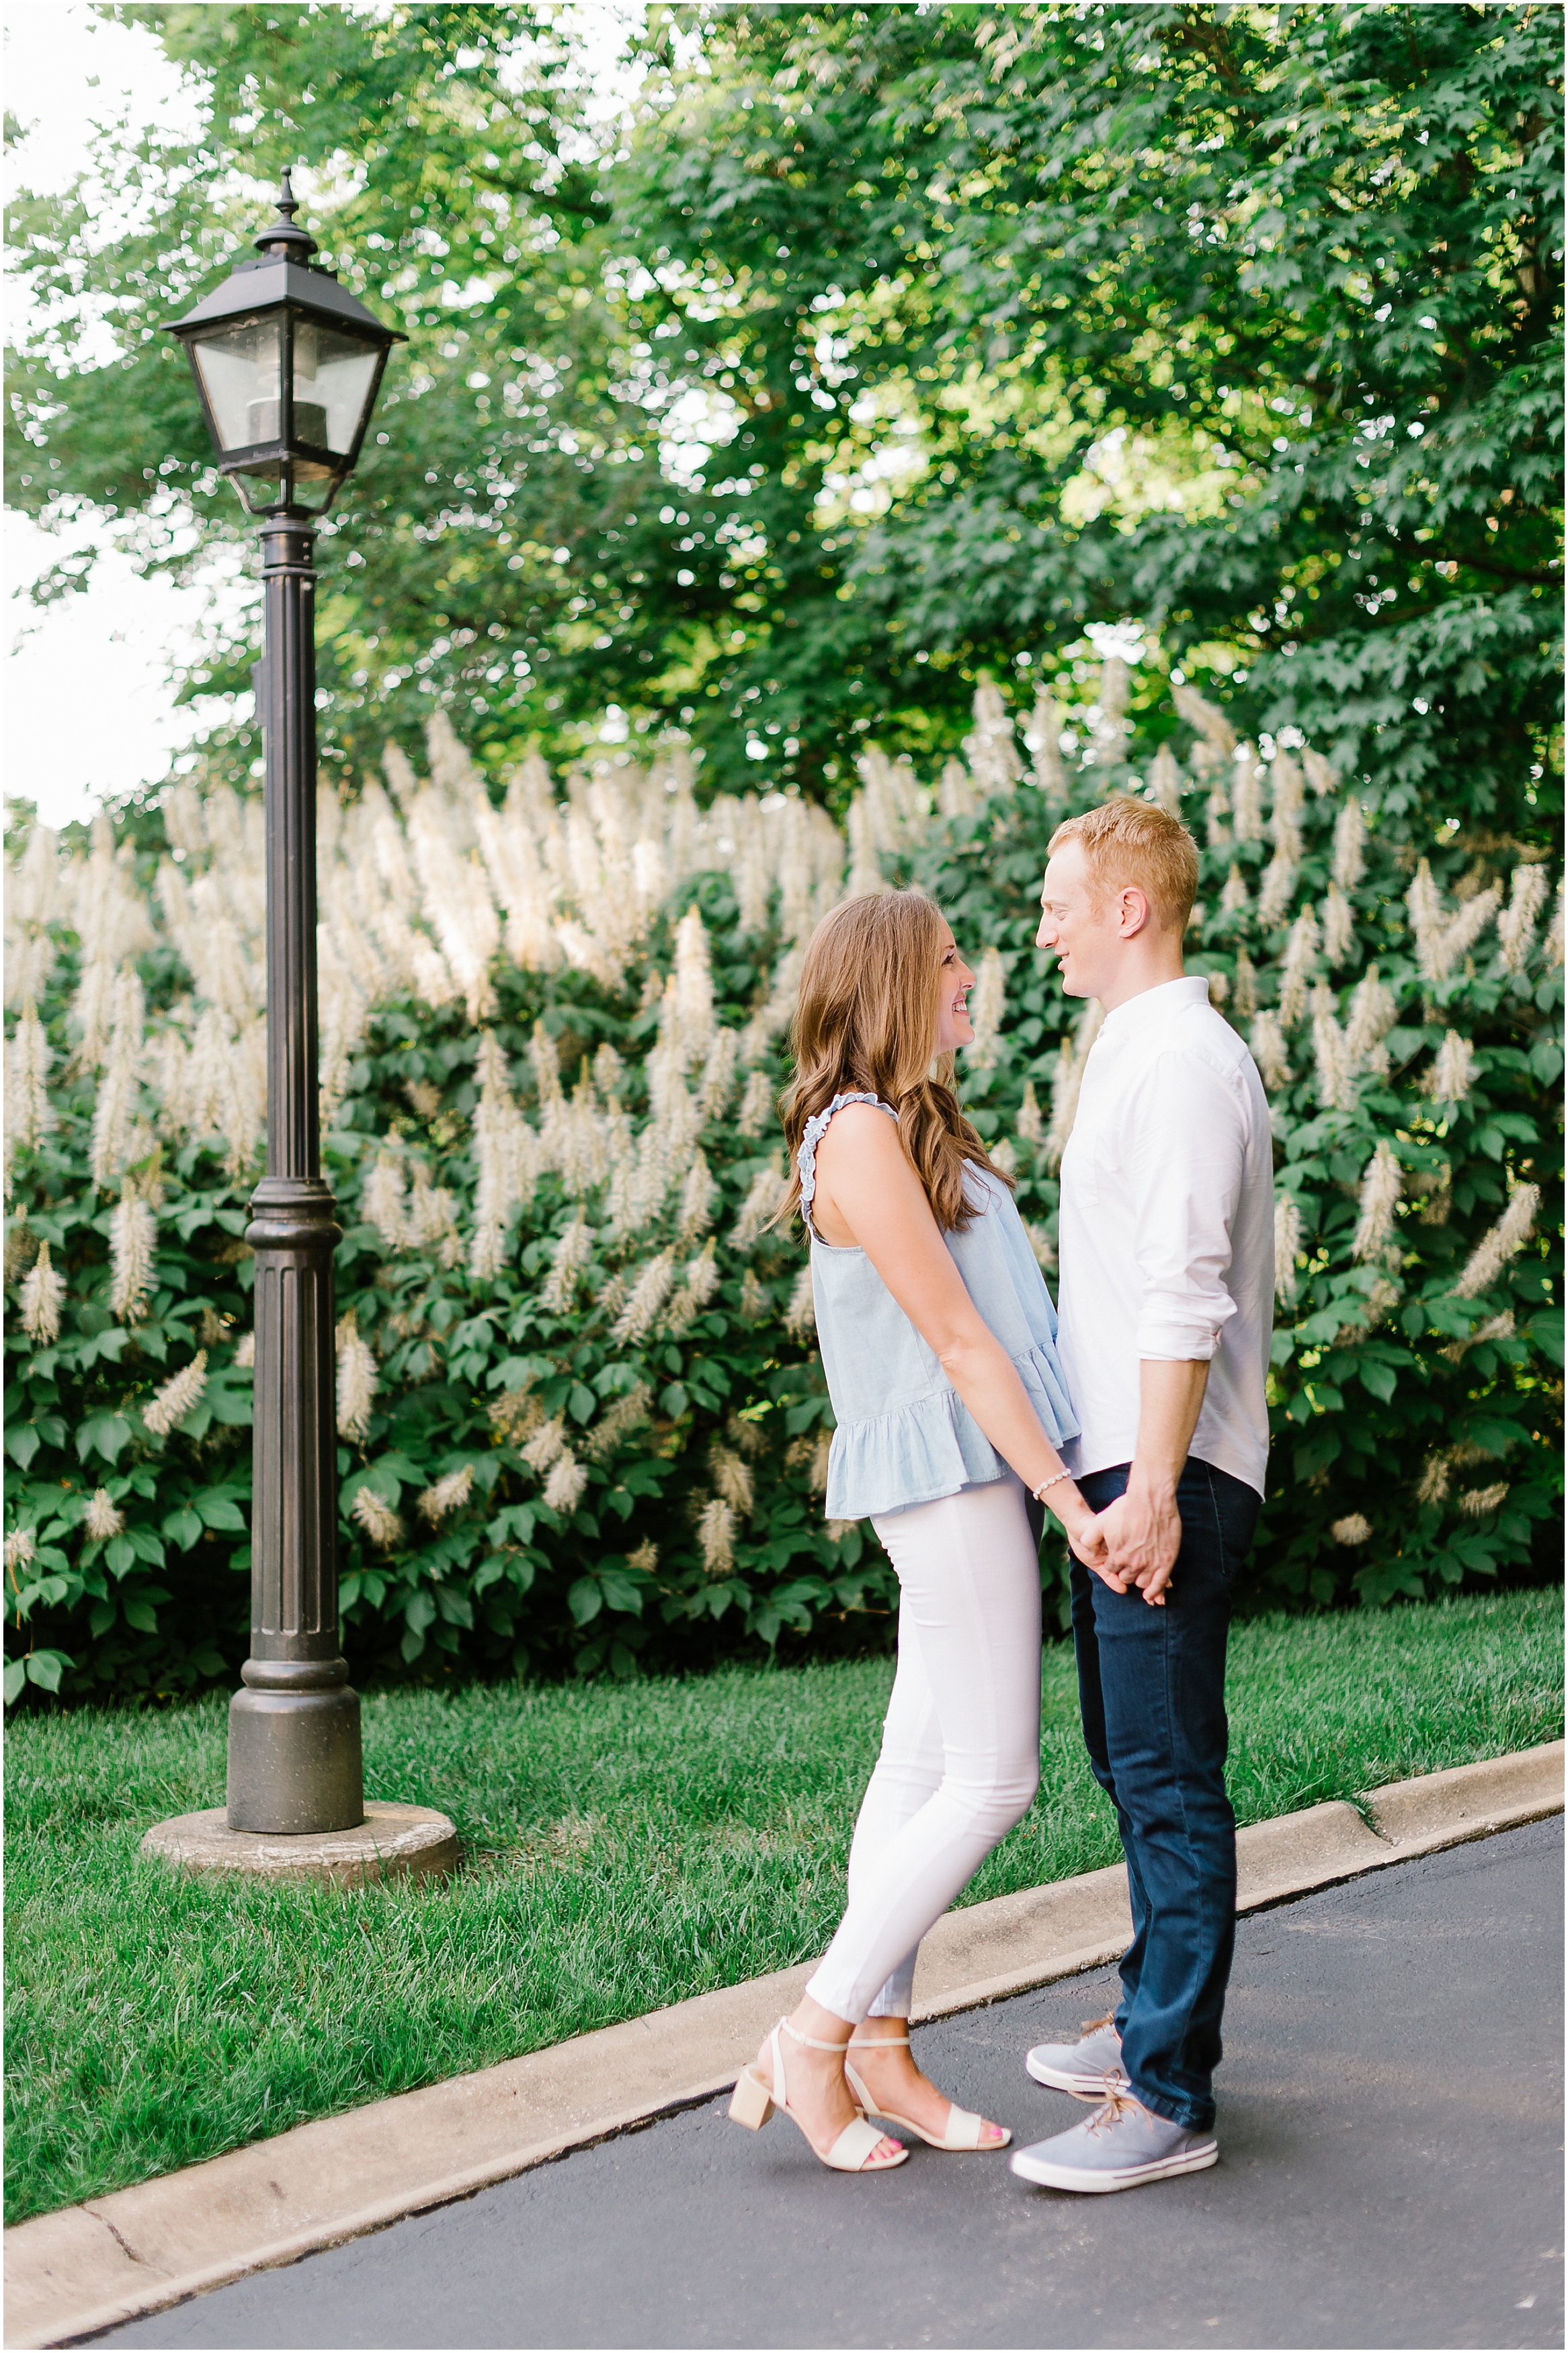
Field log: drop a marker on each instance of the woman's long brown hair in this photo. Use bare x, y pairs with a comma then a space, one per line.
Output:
870, 1000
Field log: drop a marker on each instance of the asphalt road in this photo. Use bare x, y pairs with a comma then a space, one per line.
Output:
1391, 2174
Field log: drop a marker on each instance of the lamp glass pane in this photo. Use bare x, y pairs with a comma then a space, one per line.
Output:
333, 377
241, 369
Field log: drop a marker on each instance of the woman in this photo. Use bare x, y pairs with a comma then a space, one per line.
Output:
938, 1341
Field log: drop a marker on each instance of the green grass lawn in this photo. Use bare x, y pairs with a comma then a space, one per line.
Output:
625, 1846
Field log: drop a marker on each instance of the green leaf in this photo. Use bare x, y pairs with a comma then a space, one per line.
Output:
585, 1600
103, 1433
109, 1344
515, 1522
1490, 1431
1545, 1331
221, 1511
230, 1398
643, 1477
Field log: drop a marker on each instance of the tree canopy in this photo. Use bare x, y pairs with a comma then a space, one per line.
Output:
861, 351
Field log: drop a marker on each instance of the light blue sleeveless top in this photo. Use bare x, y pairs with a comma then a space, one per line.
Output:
904, 1435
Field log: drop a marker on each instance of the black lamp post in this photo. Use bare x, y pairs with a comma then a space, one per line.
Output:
289, 364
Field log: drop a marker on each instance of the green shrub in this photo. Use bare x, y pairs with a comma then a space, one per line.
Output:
581, 1418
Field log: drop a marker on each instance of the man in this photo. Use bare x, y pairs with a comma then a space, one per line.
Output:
1165, 1304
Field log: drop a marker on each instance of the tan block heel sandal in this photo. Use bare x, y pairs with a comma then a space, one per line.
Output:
754, 2103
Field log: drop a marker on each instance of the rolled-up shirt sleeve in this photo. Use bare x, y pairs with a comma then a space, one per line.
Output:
1188, 1153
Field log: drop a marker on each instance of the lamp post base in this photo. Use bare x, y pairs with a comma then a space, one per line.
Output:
391, 1842
294, 1760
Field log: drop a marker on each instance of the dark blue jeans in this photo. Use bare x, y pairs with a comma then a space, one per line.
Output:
1151, 1688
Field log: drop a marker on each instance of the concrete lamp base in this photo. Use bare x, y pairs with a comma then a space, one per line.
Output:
393, 1842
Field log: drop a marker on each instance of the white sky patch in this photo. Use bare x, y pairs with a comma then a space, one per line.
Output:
67, 71
599, 30
89, 710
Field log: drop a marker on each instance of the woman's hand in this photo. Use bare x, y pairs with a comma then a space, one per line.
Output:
1084, 1531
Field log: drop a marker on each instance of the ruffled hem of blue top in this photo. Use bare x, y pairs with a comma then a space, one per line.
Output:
932, 1447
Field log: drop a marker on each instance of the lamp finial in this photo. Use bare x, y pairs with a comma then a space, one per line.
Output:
283, 237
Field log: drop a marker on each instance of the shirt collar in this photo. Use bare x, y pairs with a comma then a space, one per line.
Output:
1150, 1004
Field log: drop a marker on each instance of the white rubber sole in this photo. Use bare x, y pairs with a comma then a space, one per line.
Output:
1077, 2087
1091, 2181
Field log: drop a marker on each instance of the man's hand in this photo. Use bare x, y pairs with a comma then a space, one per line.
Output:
1143, 1536
1143, 1527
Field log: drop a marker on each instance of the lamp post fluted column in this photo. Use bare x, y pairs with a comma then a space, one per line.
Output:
294, 1761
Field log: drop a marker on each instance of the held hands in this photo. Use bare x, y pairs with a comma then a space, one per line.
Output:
1086, 1536
1142, 1532
1133, 1542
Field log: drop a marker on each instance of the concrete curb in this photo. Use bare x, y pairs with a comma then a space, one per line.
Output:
86, 2268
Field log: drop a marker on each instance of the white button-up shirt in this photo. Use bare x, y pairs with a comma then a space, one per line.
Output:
1167, 1231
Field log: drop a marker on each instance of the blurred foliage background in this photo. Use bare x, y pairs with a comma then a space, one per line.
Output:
832, 444
581, 1413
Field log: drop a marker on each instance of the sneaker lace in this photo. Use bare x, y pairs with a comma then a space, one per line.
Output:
1093, 2025
1118, 2106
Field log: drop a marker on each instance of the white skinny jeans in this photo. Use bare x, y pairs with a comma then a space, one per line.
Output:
960, 1749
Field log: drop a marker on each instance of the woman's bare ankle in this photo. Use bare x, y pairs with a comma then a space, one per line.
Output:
812, 2044
879, 2050
818, 2096
808, 2023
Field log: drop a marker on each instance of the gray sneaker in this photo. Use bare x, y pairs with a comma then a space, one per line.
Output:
1119, 2147
1088, 2068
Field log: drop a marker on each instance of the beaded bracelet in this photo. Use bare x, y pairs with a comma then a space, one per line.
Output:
1039, 1494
